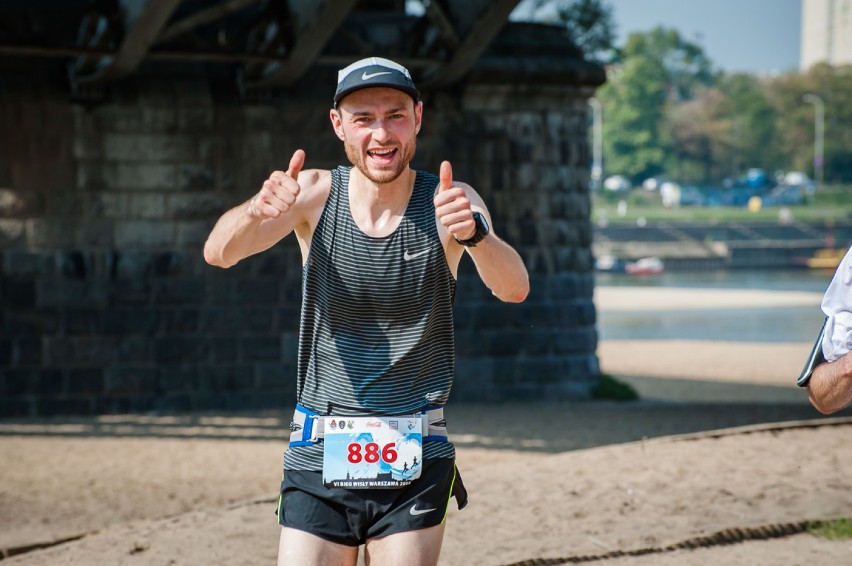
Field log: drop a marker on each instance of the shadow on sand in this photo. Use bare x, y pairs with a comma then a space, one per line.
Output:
667, 407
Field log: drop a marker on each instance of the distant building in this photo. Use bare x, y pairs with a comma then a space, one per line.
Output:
826, 33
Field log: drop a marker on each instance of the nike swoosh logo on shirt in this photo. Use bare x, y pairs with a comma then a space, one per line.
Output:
367, 76
415, 511
408, 256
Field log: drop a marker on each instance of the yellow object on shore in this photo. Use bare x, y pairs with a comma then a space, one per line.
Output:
754, 204
826, 258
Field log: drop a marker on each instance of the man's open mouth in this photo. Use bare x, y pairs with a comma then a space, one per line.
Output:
382, 155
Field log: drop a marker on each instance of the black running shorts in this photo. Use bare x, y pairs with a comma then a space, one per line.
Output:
352, 516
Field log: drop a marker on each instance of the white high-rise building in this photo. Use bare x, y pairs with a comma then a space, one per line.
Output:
826, 33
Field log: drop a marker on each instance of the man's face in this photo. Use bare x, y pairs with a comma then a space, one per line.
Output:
378, 127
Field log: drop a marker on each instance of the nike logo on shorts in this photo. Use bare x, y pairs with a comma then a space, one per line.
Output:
415, 511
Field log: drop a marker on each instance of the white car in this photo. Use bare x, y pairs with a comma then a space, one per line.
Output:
801, 180
617, 183
652, 183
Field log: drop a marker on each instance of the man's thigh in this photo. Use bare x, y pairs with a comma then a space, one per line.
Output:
298, 548
352, 517
414, 548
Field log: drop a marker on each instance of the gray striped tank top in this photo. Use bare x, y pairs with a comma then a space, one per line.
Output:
376, 333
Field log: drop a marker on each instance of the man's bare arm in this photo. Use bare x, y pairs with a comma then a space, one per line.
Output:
499, 266
501, 269
260, 222
830, 386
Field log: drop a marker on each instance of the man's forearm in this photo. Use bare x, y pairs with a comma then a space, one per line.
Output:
830, 386
232, 237
501, 269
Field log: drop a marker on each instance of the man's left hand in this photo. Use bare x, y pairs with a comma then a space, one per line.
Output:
452, 207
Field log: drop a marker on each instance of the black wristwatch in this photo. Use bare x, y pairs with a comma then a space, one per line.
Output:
482, 230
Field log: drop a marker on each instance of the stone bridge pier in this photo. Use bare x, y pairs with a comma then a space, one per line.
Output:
107, 303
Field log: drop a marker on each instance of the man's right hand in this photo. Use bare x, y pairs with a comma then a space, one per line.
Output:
279, 191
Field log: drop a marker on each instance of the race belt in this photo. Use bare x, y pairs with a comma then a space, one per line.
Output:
308, 427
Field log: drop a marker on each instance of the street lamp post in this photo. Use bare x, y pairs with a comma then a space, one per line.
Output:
819, 134
597, 143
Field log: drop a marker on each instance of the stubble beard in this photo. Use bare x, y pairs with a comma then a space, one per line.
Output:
382, 176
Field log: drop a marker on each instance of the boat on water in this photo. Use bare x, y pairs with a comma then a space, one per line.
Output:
645, 266
826, 258
609, 264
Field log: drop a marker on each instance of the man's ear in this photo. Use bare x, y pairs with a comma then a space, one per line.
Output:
418, 116
336, 122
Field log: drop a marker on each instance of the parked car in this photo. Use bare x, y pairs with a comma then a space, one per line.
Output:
799, 179
653, 183
617, 183
784, 195
690, 195
756, 178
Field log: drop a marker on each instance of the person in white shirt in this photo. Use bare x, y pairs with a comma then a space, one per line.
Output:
829, 377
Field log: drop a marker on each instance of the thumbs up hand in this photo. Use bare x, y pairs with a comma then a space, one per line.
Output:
279, 191
452, 207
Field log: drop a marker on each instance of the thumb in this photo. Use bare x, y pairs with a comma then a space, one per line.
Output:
296, 164
445, 176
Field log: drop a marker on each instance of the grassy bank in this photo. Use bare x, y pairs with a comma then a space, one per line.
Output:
832, 202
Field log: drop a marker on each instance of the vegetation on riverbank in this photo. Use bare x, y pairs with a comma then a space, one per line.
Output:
609, 388
830, 203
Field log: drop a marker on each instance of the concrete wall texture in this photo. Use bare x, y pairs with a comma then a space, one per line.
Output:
109, 307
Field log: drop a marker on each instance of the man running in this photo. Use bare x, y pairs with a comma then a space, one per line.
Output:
381, 244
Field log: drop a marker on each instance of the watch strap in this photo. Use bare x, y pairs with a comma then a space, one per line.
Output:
479, 234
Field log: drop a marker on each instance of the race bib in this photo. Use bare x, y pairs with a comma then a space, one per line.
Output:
372, 452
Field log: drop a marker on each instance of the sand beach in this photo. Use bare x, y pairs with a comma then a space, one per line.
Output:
722, 461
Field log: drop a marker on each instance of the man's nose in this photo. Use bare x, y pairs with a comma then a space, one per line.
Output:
381, 131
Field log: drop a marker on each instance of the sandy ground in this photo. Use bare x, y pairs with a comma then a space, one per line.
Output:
722, 445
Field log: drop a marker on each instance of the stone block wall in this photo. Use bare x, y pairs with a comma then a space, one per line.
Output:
108, 306
525, 150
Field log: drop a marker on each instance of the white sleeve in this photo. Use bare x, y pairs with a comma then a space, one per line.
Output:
837, 306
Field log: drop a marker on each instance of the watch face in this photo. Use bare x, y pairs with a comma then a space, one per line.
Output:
480, 219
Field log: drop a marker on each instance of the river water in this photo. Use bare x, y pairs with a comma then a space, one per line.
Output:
775, 324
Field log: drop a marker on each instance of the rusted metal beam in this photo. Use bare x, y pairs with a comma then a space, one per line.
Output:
203, 17
442, 23
141, 35
197, 56
327, 17
477, 39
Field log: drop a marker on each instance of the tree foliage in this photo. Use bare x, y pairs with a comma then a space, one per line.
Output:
796, 119
752, 122
589, 23
633, 103
665, 110
657, 70
701, 135
687, 67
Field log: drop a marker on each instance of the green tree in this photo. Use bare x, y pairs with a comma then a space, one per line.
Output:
833, 84
589, 23
633, 102
701, 136
657, 69
687, 67
752, 119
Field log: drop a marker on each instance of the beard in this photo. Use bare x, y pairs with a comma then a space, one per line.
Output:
384, 175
